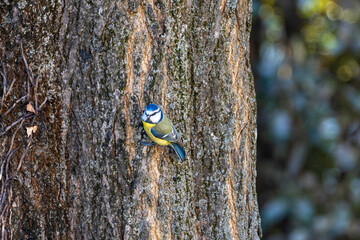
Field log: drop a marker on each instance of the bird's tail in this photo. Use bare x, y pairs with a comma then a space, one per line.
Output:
180, 151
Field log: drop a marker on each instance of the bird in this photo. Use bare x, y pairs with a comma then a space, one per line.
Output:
160, 129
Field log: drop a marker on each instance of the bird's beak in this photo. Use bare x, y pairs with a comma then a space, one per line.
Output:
144, 117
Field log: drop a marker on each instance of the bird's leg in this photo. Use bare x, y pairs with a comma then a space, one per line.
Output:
147, 144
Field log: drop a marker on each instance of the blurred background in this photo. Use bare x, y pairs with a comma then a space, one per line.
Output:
305, 60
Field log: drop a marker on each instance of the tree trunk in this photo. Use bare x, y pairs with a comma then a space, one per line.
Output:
73, 166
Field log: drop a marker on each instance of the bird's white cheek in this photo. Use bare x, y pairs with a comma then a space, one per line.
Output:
155, 118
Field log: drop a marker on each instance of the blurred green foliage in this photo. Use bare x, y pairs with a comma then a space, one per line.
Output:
305, 58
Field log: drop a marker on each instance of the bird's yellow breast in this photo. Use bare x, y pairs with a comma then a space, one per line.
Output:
147, 127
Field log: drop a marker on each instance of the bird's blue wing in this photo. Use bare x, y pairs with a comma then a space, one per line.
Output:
171, 137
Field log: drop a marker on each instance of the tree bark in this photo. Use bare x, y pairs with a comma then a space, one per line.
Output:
89, 68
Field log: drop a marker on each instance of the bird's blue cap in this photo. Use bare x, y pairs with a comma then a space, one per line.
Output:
152, 107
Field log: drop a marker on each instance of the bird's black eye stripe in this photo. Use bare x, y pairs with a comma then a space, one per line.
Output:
152, 113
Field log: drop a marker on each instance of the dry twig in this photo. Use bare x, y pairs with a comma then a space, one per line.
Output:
29, 73
14, 105
14, 123
3, 74
5, 167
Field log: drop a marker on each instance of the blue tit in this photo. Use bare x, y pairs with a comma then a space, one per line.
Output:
160, 129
